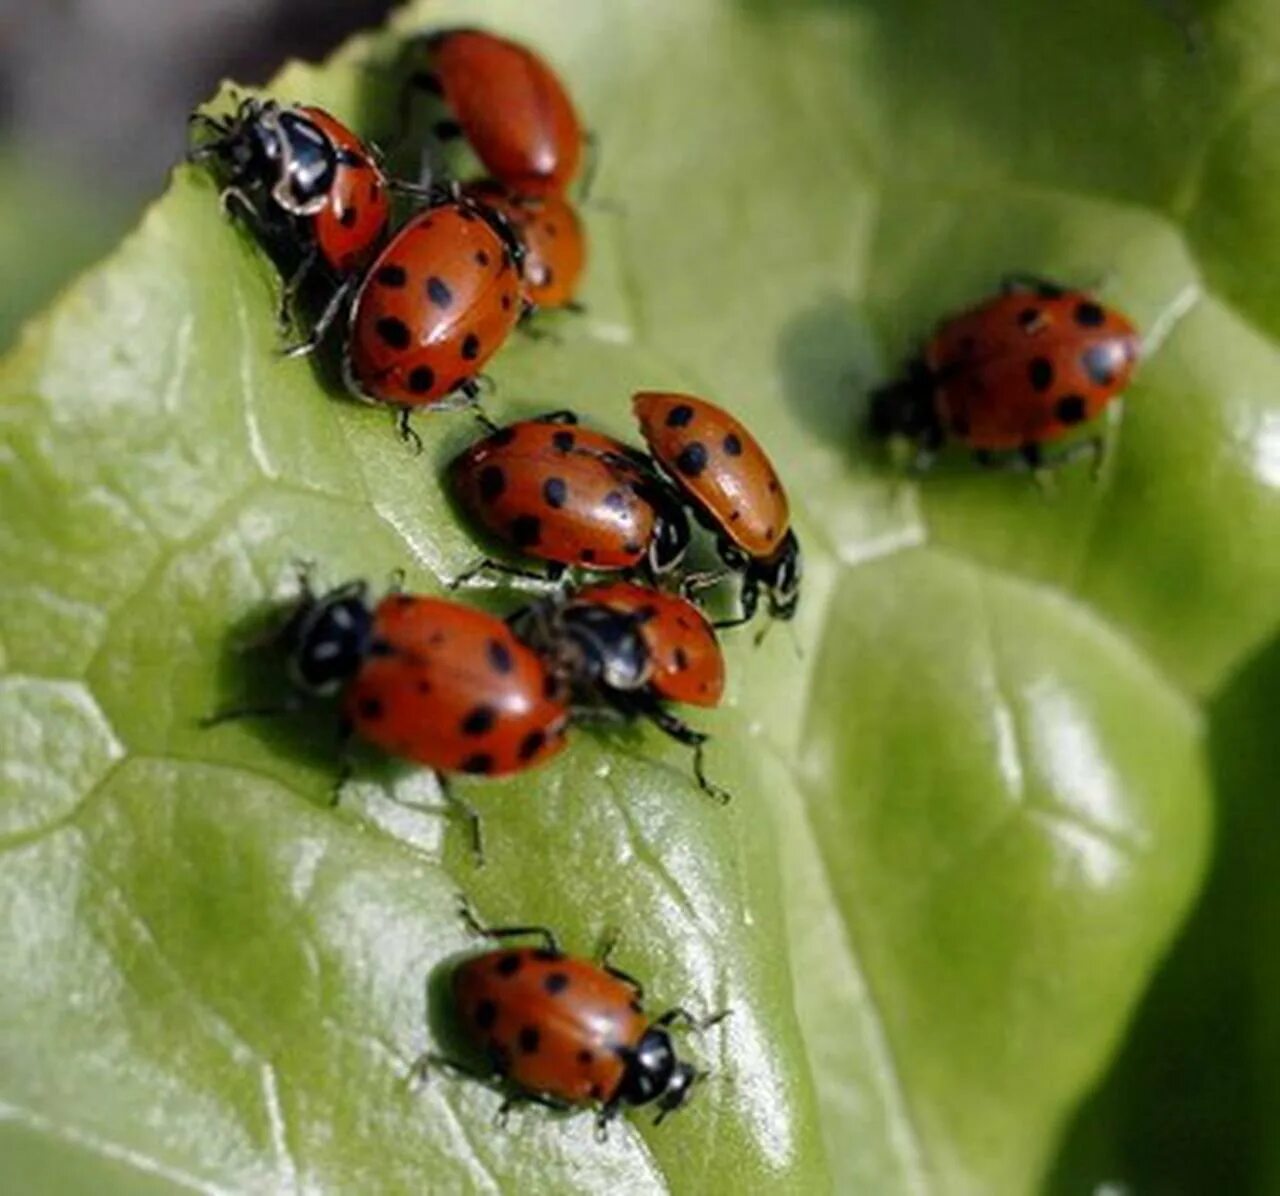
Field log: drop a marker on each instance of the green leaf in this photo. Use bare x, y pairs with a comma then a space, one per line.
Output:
973, 790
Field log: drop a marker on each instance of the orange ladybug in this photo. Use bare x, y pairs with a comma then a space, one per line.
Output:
299, 169
732, 488
567, 1032
570, 496
685, 658
626, 650
424, 679
439, 300
554, 241
509, 105
1013, 375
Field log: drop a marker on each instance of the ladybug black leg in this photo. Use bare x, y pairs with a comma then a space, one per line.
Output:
681, 732
551, 576
748, 601
608, 1113
606, 950
468, 914
591, 166
322, 325
513, 1100
290, 705
461, 808
289, 292
575, 307
405, 429
420, 1070
680, 1015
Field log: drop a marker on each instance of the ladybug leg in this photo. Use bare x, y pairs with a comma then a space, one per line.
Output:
513, 1100
466, 911
575, 307
608, 1113
748, 601
606, 950
325, 321
681, 732
405, 429
698, 1025
289, 292
461, 808
287, 706
591, 165
553, 573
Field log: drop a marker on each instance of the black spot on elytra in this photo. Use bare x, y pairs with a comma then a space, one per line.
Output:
448, 130
556, 982
551, 228
768, 532
1028, 318
500, 657
509, 964
438, 291
554, 492
423, 686
391, 275
530, 1037
586, 1057
470, 346
478, 765
482, 258
421, 379
596, 1092
632, 547
615, 500
1097, 361
506, 302
370, 708
486, 1014
348, 217
680, 416
381, 648
733, 445
1070, 409
564, 441
692, 459
526, 530
587, 556
1090, 314
547, 276
1040, 373
551, 688
479, 720
393, 332
491, 483
682, 659
531, 745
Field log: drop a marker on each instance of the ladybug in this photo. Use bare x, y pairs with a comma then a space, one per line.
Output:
434, 306
424, 679
1014, 374
622, 650
509, 105
300, 167
685, 658
553, 238
732, 489
570, 496
567, 1032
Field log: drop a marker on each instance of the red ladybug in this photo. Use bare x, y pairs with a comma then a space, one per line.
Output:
302, 166
554, 241
621, 652
510, 106
571, 496
567, 1032
1016, 373
732, 488
426, 680
684, 654
435, 305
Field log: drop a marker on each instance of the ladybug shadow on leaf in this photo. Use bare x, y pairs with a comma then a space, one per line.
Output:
830, 362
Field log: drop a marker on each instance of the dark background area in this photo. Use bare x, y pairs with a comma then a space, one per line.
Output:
94, 96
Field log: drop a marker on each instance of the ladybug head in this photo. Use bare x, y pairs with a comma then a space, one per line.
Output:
327, 638
905, 408
781, 574
281, 150
655, 1076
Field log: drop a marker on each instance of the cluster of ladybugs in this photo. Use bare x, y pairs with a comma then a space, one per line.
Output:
459, 690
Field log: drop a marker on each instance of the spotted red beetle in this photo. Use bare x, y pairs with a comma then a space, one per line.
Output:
1013, 375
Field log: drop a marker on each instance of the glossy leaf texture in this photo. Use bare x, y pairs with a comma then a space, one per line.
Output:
974, 791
